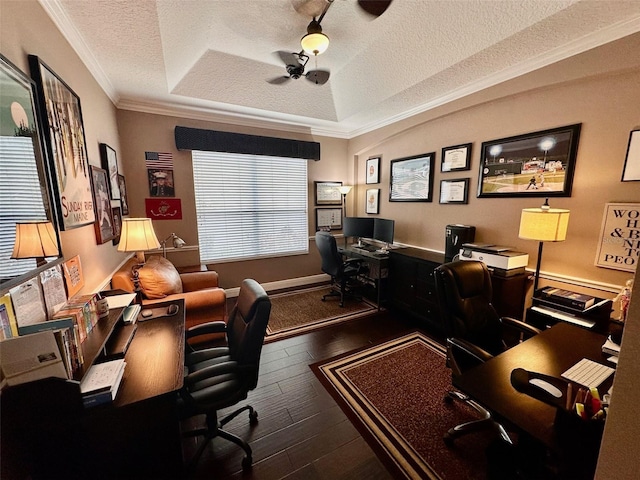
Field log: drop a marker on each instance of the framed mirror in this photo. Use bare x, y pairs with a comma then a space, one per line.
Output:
24, 175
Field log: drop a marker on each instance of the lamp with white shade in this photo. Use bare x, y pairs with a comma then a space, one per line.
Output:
137, 235
344, 189
544, 224
37, 240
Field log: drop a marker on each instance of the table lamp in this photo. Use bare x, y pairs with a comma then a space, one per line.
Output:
544, 224
37, 240
137, 235
344, 189
176, 241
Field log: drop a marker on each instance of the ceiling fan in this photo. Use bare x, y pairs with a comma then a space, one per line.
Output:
295, 64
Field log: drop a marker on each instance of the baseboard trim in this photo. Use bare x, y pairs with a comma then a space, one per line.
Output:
281, 284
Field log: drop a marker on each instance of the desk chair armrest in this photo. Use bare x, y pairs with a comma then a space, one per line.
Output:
528, 330
463, 355
205, 329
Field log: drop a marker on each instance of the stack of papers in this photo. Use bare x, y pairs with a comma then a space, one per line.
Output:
131, 312
611, 348
100, 384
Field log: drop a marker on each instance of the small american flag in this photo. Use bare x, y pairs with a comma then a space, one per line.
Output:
158, 160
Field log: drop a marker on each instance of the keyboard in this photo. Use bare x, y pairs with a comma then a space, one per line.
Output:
588, 373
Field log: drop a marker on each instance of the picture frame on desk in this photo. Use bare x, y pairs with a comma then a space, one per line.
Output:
327, 193
537, 164
412, 178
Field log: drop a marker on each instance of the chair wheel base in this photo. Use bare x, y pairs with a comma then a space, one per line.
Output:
247, 463
449, 438
253, 418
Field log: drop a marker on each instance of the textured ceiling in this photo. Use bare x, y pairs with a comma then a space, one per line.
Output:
215, 57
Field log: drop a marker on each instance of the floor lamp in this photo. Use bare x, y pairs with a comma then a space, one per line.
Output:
544, 224
344, 189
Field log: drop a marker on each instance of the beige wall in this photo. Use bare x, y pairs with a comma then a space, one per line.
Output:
25, 29
141, 132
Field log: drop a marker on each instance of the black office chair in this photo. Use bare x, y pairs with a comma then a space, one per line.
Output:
220, 377
474, 331
343, 272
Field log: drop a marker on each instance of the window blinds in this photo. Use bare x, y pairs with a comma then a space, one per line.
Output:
250, 206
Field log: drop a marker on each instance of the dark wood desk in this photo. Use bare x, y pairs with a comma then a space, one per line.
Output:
378, 268
551, 352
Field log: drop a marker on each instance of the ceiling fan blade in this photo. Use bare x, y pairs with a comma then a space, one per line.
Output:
279, 80
288, 58
319, 77
374, 7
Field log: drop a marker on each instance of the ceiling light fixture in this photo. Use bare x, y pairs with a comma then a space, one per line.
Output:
314, 42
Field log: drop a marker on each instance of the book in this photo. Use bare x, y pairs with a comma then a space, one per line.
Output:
610, 347
102, 377
130, 313
101, 397
6, 310
568, 298
57, 324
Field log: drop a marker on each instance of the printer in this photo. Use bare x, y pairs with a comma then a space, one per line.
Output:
501, 260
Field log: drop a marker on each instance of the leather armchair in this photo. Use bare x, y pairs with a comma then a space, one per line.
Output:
204, 300
474, 331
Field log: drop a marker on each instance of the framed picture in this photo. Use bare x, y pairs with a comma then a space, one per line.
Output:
328, 218
161, 183
412, 179
327, 193
617, 233
373, 200
116, 213
373, 170
631, 169
539, 164
110, 164
66, 147
104, 214
456, 158
124, 201
454, 191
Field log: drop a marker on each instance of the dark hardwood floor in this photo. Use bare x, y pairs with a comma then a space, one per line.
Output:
302, 433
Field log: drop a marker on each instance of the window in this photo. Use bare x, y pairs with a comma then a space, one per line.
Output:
250, 206
20, 199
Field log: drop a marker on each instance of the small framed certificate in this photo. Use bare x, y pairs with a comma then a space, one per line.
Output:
327, 193
454, 191
328, 218
456, 158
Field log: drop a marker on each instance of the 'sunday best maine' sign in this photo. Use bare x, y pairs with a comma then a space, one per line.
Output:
619, 246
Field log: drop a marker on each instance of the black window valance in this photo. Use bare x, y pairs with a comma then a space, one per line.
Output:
215, 141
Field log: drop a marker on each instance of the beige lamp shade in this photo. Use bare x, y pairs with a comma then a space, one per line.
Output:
344, 189
544, 224
35, 240
137, 235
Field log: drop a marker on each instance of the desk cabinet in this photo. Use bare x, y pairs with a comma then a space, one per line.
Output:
413, 290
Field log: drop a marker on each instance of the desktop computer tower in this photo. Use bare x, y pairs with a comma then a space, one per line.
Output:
455, 236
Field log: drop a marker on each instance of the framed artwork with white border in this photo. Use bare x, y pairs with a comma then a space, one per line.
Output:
328, 218
454, 191
372, 200
373, 170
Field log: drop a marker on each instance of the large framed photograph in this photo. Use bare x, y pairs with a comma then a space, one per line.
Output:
373, 200
412, 178
631, 169
373, 170
456, 158
327, 193
538, 164
328, 218
110, 164
454, 191
104, 214
65, 142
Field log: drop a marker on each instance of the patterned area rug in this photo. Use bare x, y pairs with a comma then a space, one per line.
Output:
298, 312
393, 393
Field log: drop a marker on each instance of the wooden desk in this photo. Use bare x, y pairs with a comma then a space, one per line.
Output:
551, 352
378, 268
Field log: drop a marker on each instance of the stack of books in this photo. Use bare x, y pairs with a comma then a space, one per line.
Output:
100, 384
567, 298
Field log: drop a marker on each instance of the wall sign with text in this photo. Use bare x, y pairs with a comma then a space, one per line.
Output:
619, 246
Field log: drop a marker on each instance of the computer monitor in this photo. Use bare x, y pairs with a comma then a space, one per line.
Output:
383, 230
360, 227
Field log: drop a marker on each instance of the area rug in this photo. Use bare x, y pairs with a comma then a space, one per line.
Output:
301, 311
394, 394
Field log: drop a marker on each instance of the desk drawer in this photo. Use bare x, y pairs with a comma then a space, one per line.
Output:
426, 291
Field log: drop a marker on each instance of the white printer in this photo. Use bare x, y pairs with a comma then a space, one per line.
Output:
502, 260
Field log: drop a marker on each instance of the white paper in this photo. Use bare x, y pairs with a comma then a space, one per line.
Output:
55, 295
28, 303
119, 301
